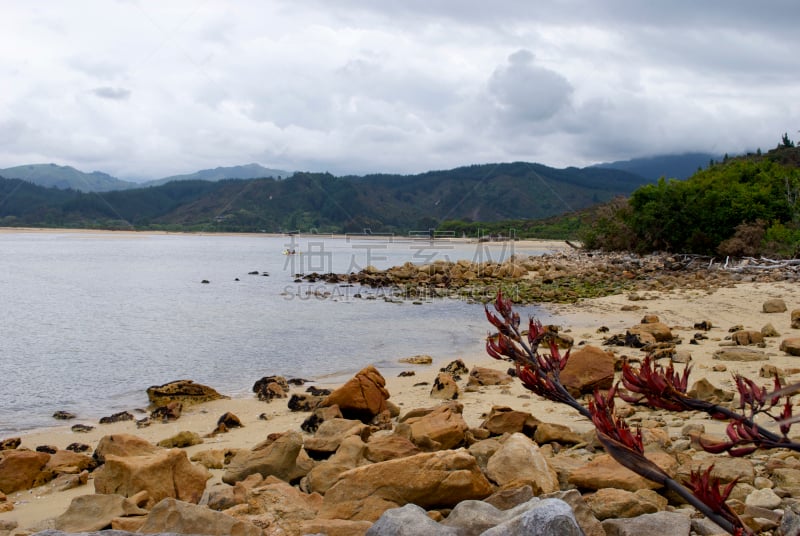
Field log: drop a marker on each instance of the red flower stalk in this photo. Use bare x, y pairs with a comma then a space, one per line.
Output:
659, 387
706, 488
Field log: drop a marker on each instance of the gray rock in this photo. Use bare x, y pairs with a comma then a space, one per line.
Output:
550, 517
671, 523
410, 520
472, 518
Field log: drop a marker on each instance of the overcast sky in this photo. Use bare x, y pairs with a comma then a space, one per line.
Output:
145, 89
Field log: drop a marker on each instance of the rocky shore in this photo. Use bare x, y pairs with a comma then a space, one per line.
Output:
459, 451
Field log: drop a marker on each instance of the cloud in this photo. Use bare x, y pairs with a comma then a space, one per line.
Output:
112, 93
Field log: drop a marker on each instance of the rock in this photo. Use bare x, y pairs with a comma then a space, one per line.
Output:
184, 391
769, 331
68, 462
507, 498
49, 449
791, 346
362, 397
588, 368
5, 506
609, 503
763, 498
737, 353
605, 472
277, 458
181, 440
770, 371
480, 376
325, 474
672, 523
556, 433
63, 415
444, 425
320, 415
334, 527
659, 331
389, 447
747, 337
176, 516
81, 428
67, 481
229, 420
705, 390
795, 319
210, 459
409, 520
436, 479
166, 473
504, 420
417, 360
123, 445
304, 402
445, 387
78, 447
519, 460
775, 305
455, 369
23, 469
117, 417
590, 525
171, 412
280, 506
95, 512
270, 387
726, 468
10, 443
330, 435
549, 517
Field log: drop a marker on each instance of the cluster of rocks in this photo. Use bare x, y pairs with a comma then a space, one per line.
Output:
362, 466
559, 277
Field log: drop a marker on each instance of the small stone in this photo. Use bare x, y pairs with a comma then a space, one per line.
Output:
775, 305
763, 498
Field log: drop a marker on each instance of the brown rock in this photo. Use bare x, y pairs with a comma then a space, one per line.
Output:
705, 390
504, 420
548, 432
170, 412
363, 397
444, 425
795, 318
123, 445
604, 472
775, 305
330, 435
590, 525
167, 473
10, 443
791, 346
455, 369
5, 506
747, 337
325, 474
417, 360
588, 368
429, 480
726, 468
184, 391
68, 462
768, 330
23, 469
181, 440
445, 387
389, 447
480, 376
334, 527
305, 402
737, 353
88, 513
609, 503
507, 498
519, 460
320, 415
658, 330
176, 516
210, 459
277, 458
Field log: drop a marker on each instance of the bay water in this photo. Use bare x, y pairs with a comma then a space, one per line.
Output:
89, 320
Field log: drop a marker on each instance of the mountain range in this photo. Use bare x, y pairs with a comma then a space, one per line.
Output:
318, 201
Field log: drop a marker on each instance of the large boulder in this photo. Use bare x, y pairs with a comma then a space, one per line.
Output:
68, 462
660, 331
184, 391
330, 435
389, 447
441, 428
173, 516
480, 376
431, 480
23, 469
276, 457
587, 369
324, 474
271, 387
605, 472
280, 506
519, 460
167, 473
445, 387
95, 512
362, 397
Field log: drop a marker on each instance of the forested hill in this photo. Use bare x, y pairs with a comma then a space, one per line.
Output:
306, 201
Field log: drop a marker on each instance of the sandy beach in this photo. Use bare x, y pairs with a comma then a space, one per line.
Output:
680, 309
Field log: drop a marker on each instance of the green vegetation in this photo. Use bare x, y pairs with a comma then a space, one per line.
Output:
749, 205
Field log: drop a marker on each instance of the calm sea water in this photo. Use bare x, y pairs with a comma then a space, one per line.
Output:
90, 320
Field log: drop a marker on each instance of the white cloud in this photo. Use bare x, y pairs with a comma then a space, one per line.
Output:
148, 89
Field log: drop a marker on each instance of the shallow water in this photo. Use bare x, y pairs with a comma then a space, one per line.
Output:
90, 320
